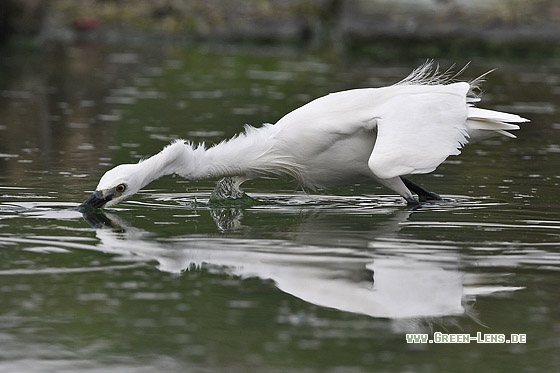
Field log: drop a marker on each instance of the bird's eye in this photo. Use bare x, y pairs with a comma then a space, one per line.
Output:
120, 188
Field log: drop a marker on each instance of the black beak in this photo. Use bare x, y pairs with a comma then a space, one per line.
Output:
98, 199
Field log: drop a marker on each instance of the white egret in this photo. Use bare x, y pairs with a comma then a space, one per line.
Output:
381, 134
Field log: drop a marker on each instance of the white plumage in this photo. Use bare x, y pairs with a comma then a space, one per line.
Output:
380, 134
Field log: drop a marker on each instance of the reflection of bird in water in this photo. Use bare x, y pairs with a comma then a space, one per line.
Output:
328, 276
371, 272
382, 134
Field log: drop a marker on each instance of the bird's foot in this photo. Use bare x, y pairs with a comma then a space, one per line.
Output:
227, 188
227, 193
413, 204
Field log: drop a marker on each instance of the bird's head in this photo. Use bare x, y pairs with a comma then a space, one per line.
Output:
117, 184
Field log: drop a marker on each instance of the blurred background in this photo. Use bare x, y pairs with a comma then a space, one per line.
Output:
340, 23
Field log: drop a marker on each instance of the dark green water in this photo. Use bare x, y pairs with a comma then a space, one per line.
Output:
323, 282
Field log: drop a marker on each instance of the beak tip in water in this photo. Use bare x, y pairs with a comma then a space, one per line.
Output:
96, 201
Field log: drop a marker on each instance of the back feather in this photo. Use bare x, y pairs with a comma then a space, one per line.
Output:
429, 73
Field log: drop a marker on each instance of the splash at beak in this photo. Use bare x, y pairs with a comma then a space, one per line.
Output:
99, 198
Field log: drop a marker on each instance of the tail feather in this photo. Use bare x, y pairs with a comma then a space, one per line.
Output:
482, 123
485, 114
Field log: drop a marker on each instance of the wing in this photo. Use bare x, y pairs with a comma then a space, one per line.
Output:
340, 112
418, 128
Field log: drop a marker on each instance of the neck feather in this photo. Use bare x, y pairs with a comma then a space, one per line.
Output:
251, 154
254, 153
167, 162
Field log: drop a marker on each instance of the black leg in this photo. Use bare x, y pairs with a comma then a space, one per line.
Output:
422, 193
